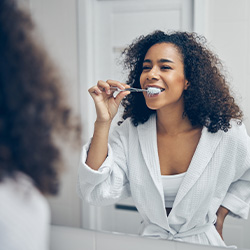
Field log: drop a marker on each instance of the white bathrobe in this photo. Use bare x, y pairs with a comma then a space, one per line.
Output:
219, 174
24, 215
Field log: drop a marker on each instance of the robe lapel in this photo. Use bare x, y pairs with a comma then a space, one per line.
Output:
203, 154
148, 143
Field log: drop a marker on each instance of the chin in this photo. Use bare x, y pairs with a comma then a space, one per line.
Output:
153, 107
153, 104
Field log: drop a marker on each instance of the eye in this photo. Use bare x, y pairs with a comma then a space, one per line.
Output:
165, 67
146, 68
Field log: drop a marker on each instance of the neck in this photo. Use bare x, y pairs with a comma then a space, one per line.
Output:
172, 122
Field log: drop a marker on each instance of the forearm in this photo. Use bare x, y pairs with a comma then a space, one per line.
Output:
221, 215
98, 150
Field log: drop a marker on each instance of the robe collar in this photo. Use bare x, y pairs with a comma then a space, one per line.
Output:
205, 149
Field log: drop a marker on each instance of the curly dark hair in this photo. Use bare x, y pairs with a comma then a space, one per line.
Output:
207, 101
32, 105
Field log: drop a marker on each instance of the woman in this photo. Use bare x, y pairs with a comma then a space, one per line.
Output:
32, 114
183, 154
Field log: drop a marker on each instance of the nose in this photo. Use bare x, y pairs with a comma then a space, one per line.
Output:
153, 74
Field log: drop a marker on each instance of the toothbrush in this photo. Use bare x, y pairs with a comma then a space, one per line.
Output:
150, 90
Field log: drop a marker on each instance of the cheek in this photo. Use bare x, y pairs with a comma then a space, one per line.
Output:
141, 80
180, 79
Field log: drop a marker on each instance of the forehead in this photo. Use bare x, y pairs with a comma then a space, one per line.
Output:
164, 51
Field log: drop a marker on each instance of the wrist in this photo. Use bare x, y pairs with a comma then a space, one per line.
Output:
102, 123
101, 127
222, 212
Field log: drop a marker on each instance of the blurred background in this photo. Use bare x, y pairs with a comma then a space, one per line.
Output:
85, 38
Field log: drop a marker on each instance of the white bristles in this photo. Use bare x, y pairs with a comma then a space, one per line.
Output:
150, 90
153, 91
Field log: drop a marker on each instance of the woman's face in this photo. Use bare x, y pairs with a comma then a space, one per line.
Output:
163, 68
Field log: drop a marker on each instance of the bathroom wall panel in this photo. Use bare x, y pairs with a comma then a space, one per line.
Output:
228, 32
56, 29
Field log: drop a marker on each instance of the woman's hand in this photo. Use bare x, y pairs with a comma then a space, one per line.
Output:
106, 109
106, 105
221, 215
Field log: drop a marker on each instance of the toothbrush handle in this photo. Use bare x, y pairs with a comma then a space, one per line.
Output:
129, 89
136, 90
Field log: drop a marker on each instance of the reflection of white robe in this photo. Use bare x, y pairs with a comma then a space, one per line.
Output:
219, 174
24, 215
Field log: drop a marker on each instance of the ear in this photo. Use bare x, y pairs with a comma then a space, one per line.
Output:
186, 85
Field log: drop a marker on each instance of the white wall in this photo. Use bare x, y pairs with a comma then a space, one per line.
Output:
228, 30
56, 22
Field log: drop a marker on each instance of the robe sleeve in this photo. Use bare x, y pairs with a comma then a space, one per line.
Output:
109, 183
237, 199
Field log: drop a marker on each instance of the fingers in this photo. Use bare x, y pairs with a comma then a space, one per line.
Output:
95, 90
110, 83
117, 84
103, 86
105, 102
120, 96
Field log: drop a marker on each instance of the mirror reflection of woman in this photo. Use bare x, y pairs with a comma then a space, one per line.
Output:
183, 154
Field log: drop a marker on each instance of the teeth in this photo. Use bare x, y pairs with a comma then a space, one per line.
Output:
162, 89
153, 91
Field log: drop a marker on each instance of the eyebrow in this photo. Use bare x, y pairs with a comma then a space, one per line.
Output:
159, 61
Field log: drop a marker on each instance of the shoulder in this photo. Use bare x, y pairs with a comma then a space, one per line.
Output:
128, 128
124, 128
237, 136
33, 216
237, 130
20, 191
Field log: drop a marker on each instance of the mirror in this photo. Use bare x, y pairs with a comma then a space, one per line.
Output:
102, 29
122, 23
